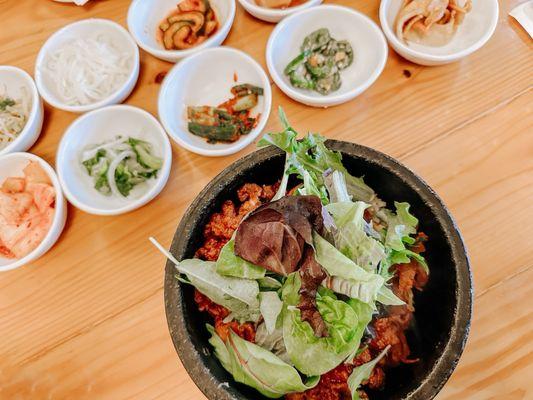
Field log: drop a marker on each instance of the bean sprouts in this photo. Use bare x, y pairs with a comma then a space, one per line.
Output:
13, 116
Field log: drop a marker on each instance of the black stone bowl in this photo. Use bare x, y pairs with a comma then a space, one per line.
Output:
443, 309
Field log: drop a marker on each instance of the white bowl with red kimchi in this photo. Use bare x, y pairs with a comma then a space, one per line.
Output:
32, 209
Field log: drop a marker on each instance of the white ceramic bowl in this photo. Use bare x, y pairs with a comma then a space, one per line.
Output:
16, 81
476, 29
274, 14
206, 79
368, 43
84, 29
12, 165
100, 126
144, 17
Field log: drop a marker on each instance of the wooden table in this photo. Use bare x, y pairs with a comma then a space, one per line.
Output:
87, 320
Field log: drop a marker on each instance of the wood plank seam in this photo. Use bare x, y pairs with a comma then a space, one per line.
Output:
502, 282
466, 123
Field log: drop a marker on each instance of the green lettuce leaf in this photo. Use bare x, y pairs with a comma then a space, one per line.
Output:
400, 226
221, 352
336, 263
257, 367
365, 291
312, 355
362, 373
238, 295
312, 155
272, 342
404, 256
349, 279
351, 238
269, 283
229, 264
336, 186
312, 187
388, 298
270, 306
365, 313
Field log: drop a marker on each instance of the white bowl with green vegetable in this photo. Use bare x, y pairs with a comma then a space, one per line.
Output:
113, 160
21, 110
216, 102
326, 55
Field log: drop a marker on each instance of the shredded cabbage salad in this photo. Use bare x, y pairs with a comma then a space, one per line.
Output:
13, 116
85, 71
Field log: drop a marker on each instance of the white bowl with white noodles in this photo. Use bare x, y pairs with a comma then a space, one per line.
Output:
107, 131
86, 65
21, 110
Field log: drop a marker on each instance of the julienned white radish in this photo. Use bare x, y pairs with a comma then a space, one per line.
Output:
85, 71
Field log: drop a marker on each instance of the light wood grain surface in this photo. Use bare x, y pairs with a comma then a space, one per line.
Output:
87, 320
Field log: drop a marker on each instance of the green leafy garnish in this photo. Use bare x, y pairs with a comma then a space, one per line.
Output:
257, 367
362, 373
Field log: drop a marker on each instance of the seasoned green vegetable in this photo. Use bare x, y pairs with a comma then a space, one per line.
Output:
120, 165
228, 121
245, 89
317, 66
216, 133
245, 102
316, 40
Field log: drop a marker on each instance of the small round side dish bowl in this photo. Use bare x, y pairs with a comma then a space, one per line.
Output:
206, 79
274, 14
475, 31
81, 30
368, 43
12, 165
100, 126
144, 17
443, 309
16, 83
